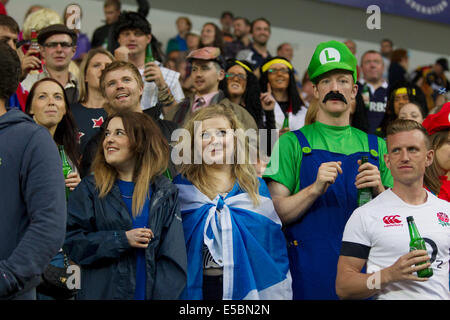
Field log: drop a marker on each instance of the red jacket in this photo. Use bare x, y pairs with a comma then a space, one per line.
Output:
444, 193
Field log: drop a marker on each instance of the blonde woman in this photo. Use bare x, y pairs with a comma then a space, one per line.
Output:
235, 246
124, 227
88, 111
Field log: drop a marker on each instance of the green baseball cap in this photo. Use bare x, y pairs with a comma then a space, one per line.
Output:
331, 55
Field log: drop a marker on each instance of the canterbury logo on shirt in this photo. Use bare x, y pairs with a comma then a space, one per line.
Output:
392, 221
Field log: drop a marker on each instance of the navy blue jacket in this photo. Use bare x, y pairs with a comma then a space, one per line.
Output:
96, 241
32, 204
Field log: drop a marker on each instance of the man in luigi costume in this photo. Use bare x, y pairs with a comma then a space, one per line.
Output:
314, 174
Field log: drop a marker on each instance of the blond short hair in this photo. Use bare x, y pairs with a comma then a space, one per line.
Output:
404, 125
117, 65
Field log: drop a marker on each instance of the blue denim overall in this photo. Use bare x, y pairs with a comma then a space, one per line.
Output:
314, 241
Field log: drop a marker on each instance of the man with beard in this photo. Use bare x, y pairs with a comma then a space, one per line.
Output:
315, 173
122, 86
241, 27
258, 52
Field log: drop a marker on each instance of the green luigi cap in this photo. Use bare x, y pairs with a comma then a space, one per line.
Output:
330, 56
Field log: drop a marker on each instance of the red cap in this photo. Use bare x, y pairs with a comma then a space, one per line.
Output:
438, 121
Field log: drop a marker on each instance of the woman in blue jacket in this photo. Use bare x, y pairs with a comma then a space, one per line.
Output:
124, 227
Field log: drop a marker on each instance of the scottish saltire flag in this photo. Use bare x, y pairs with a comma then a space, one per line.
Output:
246, 241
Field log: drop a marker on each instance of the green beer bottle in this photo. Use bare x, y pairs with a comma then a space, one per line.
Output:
417, 243
286, 121
167, 174
149, 54
67, 169
105, 43
365, 194
366, 96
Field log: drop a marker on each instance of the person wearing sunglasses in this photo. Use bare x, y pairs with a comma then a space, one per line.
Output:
241, 86
57, 47
278, 80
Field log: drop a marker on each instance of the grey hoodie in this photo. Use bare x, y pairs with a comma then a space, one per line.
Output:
32, 204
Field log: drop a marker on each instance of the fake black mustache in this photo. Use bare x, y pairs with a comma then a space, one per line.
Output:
334, 95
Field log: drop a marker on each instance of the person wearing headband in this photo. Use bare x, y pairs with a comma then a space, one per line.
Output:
241, 86
400, 94
278, 80
314, 174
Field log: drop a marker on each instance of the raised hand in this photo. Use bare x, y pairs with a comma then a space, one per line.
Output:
267, 99
121, 53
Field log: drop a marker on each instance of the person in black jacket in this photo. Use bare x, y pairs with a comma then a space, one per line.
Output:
124, 226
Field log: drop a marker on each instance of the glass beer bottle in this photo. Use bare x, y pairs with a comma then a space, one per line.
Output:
286, 121
67, 169
365, 194
149, 54
417, 243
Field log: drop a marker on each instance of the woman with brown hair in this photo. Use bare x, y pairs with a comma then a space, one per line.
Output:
235, 246
211, 36
47, 104
124, 223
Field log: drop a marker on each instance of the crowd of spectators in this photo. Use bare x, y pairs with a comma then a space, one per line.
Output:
109, 106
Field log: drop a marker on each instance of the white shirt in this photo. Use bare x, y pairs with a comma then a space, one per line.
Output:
381, 225
296, 121
150, 94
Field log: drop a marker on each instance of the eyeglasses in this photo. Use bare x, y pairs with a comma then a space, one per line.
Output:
283, 70
52, 45
239, 76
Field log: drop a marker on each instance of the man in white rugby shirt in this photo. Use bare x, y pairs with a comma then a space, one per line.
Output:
377, 233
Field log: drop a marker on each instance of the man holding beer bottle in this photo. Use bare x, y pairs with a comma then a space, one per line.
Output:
314, 174
404, 218
161, 85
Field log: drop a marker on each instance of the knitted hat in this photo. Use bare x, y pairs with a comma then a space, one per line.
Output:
331, 55
438, 121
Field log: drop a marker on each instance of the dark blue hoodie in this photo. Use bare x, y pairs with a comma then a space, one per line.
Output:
32, 204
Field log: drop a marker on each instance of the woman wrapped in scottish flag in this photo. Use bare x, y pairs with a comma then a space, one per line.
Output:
236, 249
